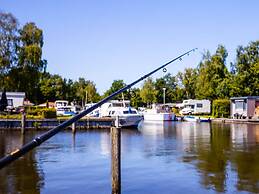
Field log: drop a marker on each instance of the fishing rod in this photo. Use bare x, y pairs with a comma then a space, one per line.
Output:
45, 136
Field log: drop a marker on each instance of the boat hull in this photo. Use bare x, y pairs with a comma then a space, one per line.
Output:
196, 119
130, 121
159, 117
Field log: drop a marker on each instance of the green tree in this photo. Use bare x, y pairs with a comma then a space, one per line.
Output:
69, 90
80, 90
168, 82
52, 87
8, 44
246, 70
148, 92
116, 85
91, 92
26, 75
187, 80
135, 98
212, 71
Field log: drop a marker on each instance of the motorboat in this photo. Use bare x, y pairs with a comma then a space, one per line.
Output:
95, 112
63, 109
196, 119
159, 113
121, 110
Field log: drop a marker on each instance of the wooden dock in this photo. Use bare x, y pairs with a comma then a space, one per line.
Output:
246, 121
85, 123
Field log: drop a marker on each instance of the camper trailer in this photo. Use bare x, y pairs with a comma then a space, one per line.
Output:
195, 107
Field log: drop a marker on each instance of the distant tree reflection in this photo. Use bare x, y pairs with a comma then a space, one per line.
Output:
234, 145
212, 159
246, 160
24, 175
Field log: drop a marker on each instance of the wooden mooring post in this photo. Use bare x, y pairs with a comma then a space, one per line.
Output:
73, 127
23, 123
116, 158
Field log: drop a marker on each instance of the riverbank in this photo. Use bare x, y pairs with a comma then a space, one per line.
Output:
85, 123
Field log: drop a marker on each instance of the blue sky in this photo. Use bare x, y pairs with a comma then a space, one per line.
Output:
107, 40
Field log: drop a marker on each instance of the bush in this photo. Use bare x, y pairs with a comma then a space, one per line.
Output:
175, 111
40, 112
33, 110
16, 116
221, 108
49, 113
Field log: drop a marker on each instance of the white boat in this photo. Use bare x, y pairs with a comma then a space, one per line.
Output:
196, 119
63, 109
95, 112
128, 116
159, 113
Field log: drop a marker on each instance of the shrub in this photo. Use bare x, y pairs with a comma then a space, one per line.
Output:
48, 113
221, 108
33, 110
175, 111
40, 112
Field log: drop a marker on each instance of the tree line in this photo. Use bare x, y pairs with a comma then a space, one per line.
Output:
22, 68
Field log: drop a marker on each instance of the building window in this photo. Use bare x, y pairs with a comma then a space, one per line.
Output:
199, 105
10, 102
240, 105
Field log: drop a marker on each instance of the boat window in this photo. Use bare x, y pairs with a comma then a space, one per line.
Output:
10, 102
199, 105
112, 112
129, 112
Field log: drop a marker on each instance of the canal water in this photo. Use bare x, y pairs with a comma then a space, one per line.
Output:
174, 157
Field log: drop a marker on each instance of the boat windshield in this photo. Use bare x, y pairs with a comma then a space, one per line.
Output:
120, 104
130, 112
64, 109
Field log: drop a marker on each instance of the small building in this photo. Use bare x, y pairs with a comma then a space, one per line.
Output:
14, 99
244, 107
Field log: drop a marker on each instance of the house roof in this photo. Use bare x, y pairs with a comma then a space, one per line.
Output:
244, 97
14, 94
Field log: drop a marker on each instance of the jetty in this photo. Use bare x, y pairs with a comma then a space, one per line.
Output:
38, 124
226, 120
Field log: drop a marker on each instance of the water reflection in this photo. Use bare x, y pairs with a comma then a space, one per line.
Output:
246, 157
157, 158
234, 145
25, 175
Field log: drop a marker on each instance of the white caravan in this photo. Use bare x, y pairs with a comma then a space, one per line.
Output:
196, 107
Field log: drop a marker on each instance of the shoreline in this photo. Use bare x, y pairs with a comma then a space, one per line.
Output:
244, 121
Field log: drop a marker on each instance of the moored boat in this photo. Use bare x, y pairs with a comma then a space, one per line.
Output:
159, 113
196, 119
128, 116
